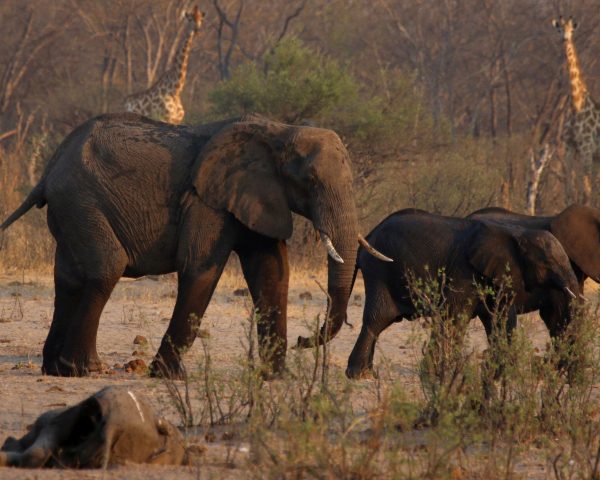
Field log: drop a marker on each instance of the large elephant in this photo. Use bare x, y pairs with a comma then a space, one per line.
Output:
468, 252
129, 196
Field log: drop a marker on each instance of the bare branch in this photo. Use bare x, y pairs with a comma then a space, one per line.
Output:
289, 19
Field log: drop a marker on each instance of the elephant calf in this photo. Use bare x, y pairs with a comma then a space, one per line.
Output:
112, 427
470, 252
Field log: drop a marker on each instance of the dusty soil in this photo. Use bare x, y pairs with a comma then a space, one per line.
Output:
143, 307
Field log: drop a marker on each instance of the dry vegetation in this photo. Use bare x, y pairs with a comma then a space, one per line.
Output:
442, 104
460, 409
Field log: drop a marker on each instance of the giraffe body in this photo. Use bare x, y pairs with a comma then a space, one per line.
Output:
582, 129
162, 101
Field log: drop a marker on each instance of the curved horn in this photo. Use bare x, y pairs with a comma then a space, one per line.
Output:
369, 248
330, 248
568, 290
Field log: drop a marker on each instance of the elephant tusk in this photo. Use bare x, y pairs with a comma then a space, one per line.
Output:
369, 248
583, 298
568, 290
331, 249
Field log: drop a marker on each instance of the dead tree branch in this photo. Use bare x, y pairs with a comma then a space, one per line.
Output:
234, 26
536, 168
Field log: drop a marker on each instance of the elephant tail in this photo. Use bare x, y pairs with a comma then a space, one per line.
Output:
35, 198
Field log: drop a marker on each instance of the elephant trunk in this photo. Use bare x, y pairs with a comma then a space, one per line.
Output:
335, 218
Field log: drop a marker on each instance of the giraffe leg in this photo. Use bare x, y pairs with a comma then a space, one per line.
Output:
587, 169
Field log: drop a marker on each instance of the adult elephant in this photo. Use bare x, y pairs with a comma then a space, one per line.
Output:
129, 196
466, 252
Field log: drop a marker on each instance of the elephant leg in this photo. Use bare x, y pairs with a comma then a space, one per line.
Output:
89, 251
205, 245
78, 355
379, 313
266, 270
495, 358
492, 328
557, 317
193, 295
68, 291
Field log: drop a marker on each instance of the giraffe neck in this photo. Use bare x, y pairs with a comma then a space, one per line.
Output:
579, 90
180, 63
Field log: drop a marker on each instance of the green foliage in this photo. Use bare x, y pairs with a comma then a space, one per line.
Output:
295, 83
298, 83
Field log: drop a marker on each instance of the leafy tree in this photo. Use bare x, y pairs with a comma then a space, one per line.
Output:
295, 84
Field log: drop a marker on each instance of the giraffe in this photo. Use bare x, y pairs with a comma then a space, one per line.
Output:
162, 100
582, 129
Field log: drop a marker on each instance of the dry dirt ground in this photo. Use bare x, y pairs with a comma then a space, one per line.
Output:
143, 307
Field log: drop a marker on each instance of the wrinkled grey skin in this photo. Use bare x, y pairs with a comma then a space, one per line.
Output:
128, 196
577, 228
469, 252
112, 427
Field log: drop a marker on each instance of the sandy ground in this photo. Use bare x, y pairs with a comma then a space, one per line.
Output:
143, 307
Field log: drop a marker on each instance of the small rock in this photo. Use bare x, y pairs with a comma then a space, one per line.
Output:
5, 340
23, 365
305, 296
136, 366
140, 340
55, 388
137, 353
117, 366
241, 292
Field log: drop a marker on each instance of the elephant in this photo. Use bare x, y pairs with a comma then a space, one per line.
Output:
468, 253
114, 426
130, 196
577, 228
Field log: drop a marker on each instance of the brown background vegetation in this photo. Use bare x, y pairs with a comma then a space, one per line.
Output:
488, 75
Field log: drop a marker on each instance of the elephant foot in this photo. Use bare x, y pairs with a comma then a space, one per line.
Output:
274, 370
361, 373
62, 367
305, 342
161, 368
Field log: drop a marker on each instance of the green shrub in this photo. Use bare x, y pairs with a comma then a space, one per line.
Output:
297, 83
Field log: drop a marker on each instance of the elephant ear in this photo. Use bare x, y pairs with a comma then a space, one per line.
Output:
494, 253
577, 228
237, 171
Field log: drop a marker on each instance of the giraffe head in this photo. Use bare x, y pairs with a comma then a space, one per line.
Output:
565, 27
195, 17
